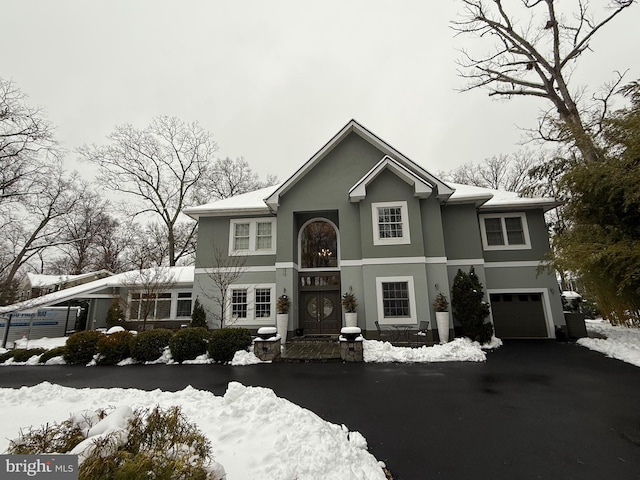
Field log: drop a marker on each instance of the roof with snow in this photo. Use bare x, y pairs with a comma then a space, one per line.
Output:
41, 280
176, 276
266, 200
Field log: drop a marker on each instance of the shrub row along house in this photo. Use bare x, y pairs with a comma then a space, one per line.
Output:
357, 217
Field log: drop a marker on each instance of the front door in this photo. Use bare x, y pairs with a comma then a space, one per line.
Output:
321, 313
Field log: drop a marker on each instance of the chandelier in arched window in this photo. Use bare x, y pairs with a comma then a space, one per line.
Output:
318, 245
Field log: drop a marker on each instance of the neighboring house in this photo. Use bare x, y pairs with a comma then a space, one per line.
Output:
36, 285
360, 215
162, 295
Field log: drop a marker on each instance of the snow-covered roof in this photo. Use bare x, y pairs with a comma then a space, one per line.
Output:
251, 203
178, 276
41, 280
490, 199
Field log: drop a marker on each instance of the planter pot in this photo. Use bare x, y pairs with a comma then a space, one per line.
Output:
282, 323
350, 319
442, 320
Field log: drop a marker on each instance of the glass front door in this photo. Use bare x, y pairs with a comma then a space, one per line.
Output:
321, 313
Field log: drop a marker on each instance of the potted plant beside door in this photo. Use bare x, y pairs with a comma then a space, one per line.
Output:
349, 304
282, 318
441, 306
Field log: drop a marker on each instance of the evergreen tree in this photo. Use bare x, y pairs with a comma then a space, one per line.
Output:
469, 307
198, 316
602, 241
115, 315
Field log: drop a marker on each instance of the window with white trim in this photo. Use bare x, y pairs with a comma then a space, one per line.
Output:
183, 304
250, 304
504, 231
390, 223
150, 306
252, 236
396, 300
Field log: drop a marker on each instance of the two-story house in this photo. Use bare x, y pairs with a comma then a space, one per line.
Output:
360, 215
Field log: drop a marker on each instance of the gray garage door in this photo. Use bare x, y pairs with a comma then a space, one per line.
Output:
518, 315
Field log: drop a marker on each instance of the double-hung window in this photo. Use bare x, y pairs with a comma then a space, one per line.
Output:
390, 223
396, 300
250, 304
505, 231
252, 236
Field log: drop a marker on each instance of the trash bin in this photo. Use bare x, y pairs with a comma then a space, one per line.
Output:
576, 327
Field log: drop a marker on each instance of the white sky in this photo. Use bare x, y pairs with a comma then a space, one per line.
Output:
273, 80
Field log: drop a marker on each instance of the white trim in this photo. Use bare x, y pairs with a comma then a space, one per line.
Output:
251, 302
285, 265
394, 261
253, 228
335, 228
546, 304
404, 213
516, 264
466, 261
412, 319
254, 269
506, 246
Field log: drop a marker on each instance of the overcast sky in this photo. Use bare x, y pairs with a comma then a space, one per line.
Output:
273, 80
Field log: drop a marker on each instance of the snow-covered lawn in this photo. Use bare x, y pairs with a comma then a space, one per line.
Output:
621, 343
254, 433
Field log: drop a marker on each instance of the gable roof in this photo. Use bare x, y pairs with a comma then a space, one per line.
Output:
421, 188
444, 191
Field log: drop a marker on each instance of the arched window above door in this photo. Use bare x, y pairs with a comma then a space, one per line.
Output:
319, 245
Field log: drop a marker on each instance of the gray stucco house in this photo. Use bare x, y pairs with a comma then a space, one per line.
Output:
360, 215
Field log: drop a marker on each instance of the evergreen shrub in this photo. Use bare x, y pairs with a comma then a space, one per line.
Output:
189, 343
6, 356
114, 348
23, 355
198, 316
469, 307
149, 345
54, 352
225, 342
81, 347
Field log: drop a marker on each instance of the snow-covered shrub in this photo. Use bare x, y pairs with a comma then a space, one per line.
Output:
22, 355
54, 352
225, 342
148, 346
6, 356
81, 347
114, 348
189, 343
121, 444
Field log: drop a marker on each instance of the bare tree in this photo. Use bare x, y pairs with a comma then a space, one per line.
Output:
225, 271
234, 177
536, 47
502, 172
146, 296
165, 167
26, 138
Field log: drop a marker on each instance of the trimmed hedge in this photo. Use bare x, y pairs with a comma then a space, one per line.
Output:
81, 347
225, 342
149, 345
6, 356
189, 343
21, 355
114, 348
54, 352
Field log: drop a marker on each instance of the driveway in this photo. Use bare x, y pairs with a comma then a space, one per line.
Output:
534, 410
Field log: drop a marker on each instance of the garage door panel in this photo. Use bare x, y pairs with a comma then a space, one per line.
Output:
518, 315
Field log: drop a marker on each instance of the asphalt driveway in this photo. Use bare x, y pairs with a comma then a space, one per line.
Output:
534, 410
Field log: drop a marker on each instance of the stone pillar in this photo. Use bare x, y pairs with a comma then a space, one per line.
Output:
351, 345
267, 345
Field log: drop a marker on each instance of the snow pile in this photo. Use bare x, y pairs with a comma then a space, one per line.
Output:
243, 357
254, 433
621, 343
458, 350
44, 342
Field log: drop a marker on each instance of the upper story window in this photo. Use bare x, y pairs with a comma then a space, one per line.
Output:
390, 223
252, 236
318, 245
504, 231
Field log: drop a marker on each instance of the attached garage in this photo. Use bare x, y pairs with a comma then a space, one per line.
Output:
518, 315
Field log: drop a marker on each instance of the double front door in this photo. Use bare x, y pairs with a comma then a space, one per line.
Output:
321, 312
